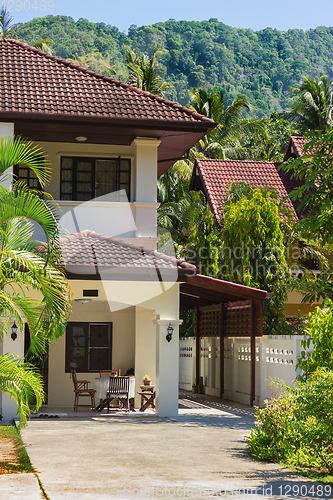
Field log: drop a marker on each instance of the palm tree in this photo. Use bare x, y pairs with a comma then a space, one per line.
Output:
174, 183
144, 72
28, 270
44, 45
313, 106
7, 27
194, 230
225, 140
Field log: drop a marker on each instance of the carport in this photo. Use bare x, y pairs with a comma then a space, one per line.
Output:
223, 309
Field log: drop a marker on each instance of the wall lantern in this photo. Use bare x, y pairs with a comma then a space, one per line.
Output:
14, 329
170, 332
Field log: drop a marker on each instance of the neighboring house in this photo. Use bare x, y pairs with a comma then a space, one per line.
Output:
295, 147
213, 177
107, 143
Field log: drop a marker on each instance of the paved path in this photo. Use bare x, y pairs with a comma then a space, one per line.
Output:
200, 454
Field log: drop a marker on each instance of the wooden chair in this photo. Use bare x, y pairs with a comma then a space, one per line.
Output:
118, 388
108, 373
81, 389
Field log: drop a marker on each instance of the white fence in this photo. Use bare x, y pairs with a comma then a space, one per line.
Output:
276, 357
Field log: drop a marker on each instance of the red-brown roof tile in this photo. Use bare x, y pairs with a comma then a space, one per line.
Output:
295, 147
298, 144
33, 81
88, 252
216, 175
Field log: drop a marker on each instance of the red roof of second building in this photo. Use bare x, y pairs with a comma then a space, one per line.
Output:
216, 175
33, 81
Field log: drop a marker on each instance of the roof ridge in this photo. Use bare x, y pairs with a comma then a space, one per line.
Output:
118, 83
199, 160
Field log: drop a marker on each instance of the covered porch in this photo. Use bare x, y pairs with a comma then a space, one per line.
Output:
222, 310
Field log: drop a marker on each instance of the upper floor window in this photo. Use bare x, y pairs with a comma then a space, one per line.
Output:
84, 179
26, 175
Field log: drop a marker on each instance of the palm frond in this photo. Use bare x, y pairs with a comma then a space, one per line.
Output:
22, 382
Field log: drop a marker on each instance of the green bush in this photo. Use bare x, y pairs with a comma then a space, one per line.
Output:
320, 327
296, 427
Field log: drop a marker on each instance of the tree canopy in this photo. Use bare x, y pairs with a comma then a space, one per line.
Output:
261, 65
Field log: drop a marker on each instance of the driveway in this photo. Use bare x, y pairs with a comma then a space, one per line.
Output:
200, 454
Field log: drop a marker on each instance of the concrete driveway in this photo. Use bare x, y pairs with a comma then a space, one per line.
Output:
200, 454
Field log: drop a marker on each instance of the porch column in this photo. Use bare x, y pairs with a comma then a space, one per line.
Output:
167, 368
7, 129
16, 347
197, 349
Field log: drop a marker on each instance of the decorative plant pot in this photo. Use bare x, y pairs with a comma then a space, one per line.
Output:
146, 382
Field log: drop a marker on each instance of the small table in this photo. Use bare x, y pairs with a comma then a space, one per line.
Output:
148, 395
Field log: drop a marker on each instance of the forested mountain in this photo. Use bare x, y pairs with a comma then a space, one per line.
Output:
261, 65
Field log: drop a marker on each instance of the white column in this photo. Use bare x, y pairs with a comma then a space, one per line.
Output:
7, 129
167, 368
16, 347
263, 376
145, 189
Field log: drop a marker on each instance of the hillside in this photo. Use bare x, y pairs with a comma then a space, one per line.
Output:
262, 65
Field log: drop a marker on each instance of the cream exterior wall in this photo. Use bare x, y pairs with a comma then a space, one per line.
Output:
294, 305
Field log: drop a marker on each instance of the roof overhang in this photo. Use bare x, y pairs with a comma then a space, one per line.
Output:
202, 290
176, 137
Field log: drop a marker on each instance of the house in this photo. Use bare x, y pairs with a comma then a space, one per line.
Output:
213, 177
107, 143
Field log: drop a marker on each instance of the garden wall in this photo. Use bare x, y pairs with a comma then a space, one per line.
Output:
276, 357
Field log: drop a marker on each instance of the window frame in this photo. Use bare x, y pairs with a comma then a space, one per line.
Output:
87, 347
93, 160
17, 178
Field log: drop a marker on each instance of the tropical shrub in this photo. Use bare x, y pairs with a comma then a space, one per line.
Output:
320, 327
296, 428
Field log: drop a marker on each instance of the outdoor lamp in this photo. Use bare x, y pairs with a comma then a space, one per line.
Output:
14, 329
170, 332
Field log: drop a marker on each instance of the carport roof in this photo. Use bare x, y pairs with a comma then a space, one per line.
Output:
202, 290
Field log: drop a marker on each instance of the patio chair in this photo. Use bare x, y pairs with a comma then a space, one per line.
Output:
81, 389
108, 373
118, 388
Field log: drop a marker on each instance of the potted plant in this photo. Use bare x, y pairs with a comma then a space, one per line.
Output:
146, 380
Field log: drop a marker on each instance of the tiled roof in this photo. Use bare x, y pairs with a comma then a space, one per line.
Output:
216, 175
33, 81
88, 252
298, 143
295, 146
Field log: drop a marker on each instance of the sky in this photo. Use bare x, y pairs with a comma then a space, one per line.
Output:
254, 14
